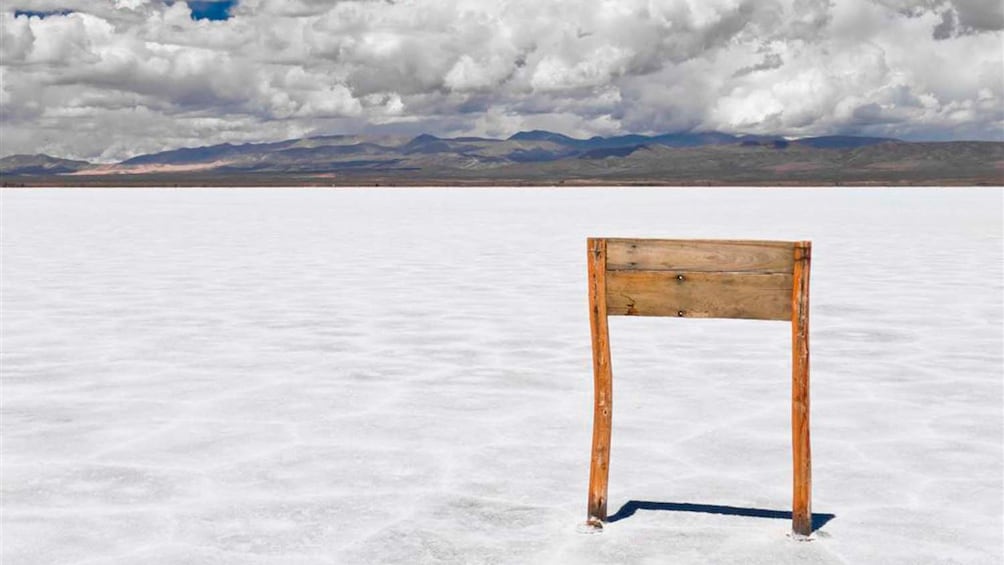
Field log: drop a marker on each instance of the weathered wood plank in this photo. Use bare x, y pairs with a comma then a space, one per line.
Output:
699, 255
801, 448
699, 294
599, 467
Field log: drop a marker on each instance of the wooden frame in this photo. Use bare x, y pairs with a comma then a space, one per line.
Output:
758, 280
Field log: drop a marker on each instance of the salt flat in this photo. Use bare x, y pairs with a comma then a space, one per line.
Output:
404, 376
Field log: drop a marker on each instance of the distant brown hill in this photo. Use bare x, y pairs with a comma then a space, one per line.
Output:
537, 158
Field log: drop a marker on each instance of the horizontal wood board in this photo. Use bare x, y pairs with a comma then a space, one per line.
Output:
726, 256
694, 294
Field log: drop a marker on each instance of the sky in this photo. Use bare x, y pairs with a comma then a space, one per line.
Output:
108, 79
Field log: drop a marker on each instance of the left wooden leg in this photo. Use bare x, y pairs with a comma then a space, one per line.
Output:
599, 461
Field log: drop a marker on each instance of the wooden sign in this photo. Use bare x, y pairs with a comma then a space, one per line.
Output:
756, 280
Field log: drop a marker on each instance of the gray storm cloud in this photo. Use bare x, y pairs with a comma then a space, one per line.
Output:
108, 79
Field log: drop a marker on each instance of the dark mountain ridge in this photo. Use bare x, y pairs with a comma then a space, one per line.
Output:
40, 164
540, 157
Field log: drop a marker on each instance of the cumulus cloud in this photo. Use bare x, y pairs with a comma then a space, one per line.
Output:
957, 16
108, 79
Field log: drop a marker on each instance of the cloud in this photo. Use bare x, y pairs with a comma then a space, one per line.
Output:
112, 78
957, 16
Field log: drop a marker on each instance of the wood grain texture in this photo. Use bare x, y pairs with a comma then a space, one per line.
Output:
599, 468
699, 294
801, 448
700, 255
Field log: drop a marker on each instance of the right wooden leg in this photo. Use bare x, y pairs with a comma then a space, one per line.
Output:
599, 468
801, 512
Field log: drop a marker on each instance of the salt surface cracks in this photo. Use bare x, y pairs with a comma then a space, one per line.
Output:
403, 376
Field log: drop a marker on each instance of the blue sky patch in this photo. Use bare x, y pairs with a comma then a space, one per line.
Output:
41, 14
211, 9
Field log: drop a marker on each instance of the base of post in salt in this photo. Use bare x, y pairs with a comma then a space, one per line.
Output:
801, 537
591, 526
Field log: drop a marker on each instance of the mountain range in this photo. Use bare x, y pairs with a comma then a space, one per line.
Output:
537, 158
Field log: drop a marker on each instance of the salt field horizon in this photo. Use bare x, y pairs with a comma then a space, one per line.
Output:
403, 375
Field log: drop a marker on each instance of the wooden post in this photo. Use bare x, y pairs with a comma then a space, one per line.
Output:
599, 468
801, 451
